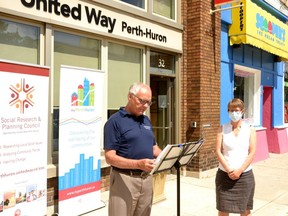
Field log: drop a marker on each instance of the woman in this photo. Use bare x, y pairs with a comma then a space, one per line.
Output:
235, 149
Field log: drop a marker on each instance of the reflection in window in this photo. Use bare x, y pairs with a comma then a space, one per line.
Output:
243, 89
71, 50
246, 87
164, 8
124, 68
19, 42
137, 3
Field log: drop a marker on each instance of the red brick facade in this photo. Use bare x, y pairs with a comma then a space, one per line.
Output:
200, 79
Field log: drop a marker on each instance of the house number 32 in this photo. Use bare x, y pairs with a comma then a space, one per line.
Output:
161, 63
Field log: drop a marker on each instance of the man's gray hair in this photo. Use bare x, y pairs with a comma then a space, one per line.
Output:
135, 88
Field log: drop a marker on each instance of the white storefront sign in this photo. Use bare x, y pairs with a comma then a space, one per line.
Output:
96, 19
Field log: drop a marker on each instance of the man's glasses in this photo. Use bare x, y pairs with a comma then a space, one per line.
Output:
143, 102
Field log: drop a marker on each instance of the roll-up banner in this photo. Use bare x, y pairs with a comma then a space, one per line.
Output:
80, 123
24, 91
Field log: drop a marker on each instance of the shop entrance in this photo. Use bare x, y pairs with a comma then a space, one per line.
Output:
267, 118
161, 111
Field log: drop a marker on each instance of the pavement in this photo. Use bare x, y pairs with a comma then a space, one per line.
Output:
197, 195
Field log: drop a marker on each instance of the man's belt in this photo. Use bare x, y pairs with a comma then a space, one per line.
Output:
132, 172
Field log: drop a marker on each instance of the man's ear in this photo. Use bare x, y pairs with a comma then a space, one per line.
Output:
129, 96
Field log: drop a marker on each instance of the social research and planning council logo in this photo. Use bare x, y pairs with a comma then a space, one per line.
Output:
21, 95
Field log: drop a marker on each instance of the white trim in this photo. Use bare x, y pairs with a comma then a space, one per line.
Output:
107, 22
282, 126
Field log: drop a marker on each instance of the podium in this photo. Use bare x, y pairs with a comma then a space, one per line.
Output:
177, 155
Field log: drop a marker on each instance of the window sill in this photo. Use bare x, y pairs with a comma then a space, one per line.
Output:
285, 125
52, 170
259, 128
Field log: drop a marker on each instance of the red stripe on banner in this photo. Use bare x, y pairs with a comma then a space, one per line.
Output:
221, 2
23, 69
79, 190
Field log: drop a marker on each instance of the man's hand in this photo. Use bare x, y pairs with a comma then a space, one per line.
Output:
146, 164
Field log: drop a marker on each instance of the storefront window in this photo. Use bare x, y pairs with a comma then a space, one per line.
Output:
247, 88
286, 92
162, 63
164, 8
124, 68
71, 50
19, 42
137, 3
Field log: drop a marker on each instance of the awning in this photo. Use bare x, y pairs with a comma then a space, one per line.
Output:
252, 25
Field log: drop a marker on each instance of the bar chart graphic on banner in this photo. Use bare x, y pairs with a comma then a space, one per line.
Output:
82, 178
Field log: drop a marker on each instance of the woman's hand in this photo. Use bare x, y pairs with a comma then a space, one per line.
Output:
235, 174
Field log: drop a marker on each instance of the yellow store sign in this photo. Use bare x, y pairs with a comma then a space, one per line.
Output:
253, 25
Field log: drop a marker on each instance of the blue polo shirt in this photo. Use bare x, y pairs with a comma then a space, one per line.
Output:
130, 136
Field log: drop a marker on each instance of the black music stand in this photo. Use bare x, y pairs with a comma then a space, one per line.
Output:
167, 158
189, 152
177, 155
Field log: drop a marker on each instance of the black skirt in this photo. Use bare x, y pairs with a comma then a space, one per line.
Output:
234, 196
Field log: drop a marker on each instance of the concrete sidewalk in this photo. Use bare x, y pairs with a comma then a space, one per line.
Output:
198, 195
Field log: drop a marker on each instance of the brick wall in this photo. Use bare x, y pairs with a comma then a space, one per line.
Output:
52, 191
105, 178
200, 79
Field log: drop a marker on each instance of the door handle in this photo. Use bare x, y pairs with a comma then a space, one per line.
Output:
161, 127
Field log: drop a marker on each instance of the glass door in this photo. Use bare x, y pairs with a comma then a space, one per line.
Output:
161, 110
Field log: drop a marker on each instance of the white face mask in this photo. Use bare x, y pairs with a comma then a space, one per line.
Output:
235, 115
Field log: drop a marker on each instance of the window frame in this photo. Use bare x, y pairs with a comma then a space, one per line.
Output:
53, 155
142, 68
147, 13
134, 6
176, 5
39, 25
255, 97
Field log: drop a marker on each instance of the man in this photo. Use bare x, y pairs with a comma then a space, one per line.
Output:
130, 149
